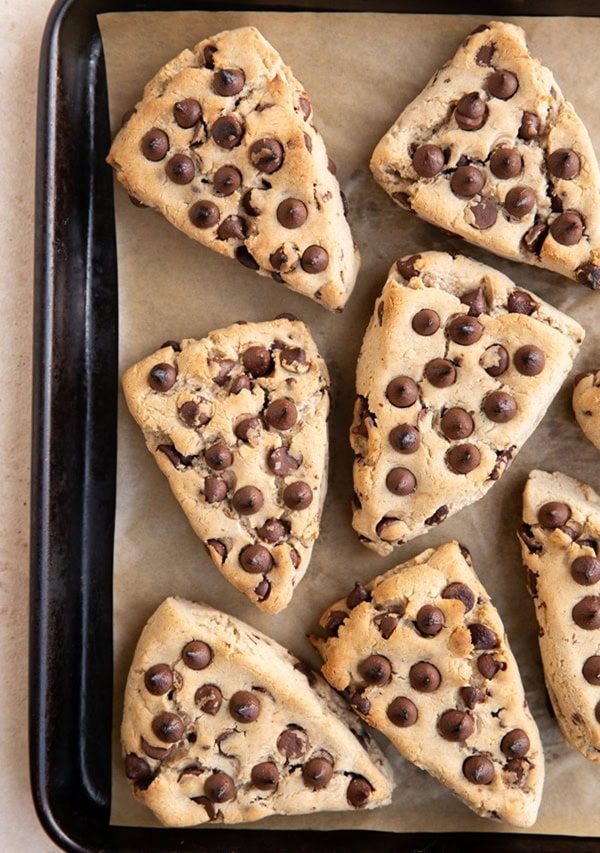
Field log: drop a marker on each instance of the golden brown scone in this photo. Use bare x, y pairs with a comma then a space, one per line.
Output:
586, 405
237, 422
422, 653
492, 151
559, 542
457, 368
223, 144
223, 724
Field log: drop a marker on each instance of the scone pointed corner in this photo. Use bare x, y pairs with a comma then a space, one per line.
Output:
224, 145
422, 653
492, 151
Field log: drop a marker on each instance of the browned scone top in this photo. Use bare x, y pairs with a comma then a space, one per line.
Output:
559, 543
457, 368
422, 654
223, 724
223, 144
237, 421
491, 150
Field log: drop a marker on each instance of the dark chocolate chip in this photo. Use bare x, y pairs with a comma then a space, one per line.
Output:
227, 180
266, 155
405, 438
180, 169
219, 787
383, 527
402, 712
138, 770
428, 160
204, 214
247, 428
294, 360
441, 514
387, 623
519, 201
463, 458
155, 144
208, 55
162, 377
402, 391
357, 595
282, 414
192, 415
256, 560
285, 258
426, 322
228, 81
533, 239
520, 302
515, 744
471, 696
401, 481
263, 590
293, 743
258, 361
158, 752
218, 456
456, 423
563, 163
478, 769
158, 679
482, 637
467, 181
500, 407
505, 162
187, 113
406, 267
529, 360
477, 302
502, 84
470, 112
527, 537
218, 547
440, 372
485, 53
297, 496
314, 260
488, 665
215, 490
585, 570
589, 274
244, 706
232, 228
248, 500
265, 776
553, 514
494, 360
167, 727
376, 669
430, 620
292, 213
484, 213
196, 654
209, 699
176, 459
305, 106
335, 620
227, 132
530, 126
586, 613
591, 670
281, 462
424, 677
464, 330
358, 792
224, 368
462, 593
567, 228
243, 256
317, 773
456, 726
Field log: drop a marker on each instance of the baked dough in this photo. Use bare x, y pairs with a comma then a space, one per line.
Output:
223, 144
223, 724
457, 368
492, 151
422, 654
237, 422
586, 405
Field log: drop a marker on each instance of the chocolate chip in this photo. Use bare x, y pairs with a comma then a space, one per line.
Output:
488, 665
402, 712
478, 769
208, 54
527, 537
314, 260
464, 330
484, 54
291, 213
196, 654
167, 727
520, 302
467, 181
424, 677
591, 670
401, 481
494, 360
180, 169
219, 787
462, 593
585, 570
248, 428
138, 770
248, 500
529, 360
502, 84
406, 267
428, 161
227, 132
567, 229
263, 590
244, 706
426, 322
228, 81
482, 637
176, 459
266, 155
187, 113
126, 116
243, 256
219, 548
553, 514
192, 415
484, 213
204, 214
376, 669
255, 559
456, 726
285, 258
563, 163
155, 144
440, 372
162, 377
258, 361
209, 699
158, 752
158, 679
294, 360
530, 126
335, 620
218, 456
515, 744
471, 696
305, 106
265, 776
505, 163
358, 792
430, 620
282, 414
455, 423
533, 239
387, 623
441, 514
293, 743
477, 302
357, 595
317, 773
232, 228
586, 613
405, 438
463, 458
298, 495
519, 201
215, 490
589, 274
383, 527
281, 462
500, 407
402, 391
470, 112
227, 180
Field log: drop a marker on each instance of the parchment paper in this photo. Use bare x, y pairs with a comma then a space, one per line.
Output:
360, 70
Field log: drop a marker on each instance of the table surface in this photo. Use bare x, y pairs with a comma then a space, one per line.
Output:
22, 24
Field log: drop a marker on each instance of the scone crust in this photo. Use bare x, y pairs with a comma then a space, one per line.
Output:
586, 405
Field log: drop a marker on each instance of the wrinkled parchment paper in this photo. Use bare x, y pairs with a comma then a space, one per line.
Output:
360, 70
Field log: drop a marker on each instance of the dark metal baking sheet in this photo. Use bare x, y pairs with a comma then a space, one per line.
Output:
74, 456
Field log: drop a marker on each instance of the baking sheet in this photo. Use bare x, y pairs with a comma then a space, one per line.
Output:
360, 71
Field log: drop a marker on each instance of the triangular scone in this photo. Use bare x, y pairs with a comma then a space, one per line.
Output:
237, 423
221, 723
223, 144
559, 542
586, 405
422, 653
492, 151
456, 370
